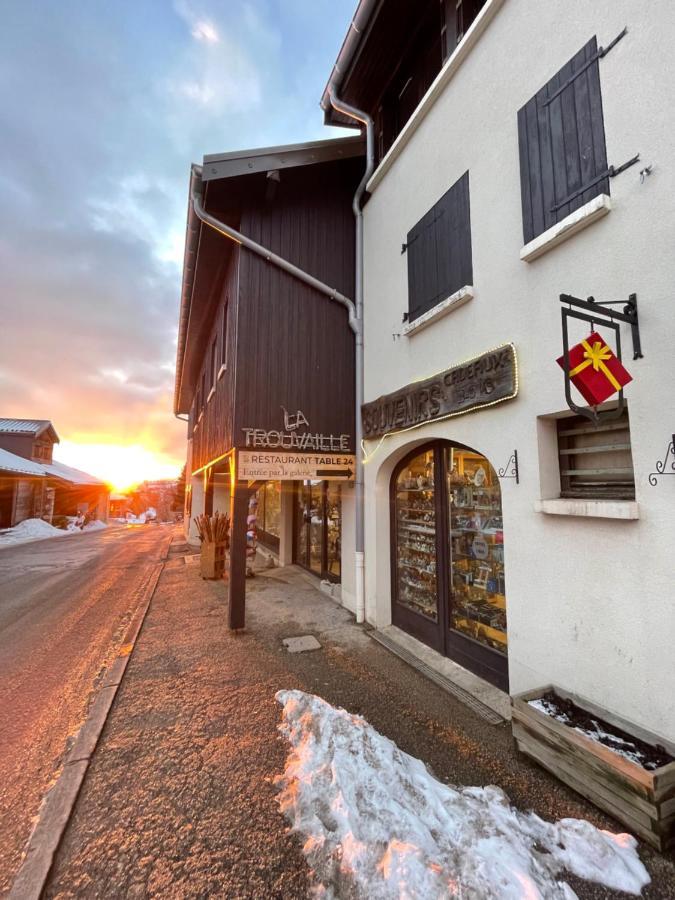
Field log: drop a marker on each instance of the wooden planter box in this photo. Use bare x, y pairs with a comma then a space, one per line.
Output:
643, 800
212, 562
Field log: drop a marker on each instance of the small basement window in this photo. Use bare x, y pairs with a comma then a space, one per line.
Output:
595, 461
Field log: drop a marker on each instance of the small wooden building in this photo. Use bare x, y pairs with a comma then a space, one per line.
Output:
35, 486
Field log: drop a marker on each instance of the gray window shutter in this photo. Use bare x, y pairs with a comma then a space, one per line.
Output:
439, 251
561, 134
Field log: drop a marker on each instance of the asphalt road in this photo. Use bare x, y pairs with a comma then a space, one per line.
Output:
63, 606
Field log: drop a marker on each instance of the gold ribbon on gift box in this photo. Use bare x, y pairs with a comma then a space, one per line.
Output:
595, 356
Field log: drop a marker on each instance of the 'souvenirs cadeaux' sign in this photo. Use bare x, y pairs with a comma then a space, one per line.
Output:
483, 381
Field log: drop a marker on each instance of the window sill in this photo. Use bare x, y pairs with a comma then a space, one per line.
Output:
221, 371
211, 393
590, 212
599, 509
459, 298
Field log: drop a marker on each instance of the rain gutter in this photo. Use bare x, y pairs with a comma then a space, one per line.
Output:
362, 18
363, 119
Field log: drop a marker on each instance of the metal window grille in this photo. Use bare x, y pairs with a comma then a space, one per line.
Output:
595, 461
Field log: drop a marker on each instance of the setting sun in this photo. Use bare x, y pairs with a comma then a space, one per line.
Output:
121, 466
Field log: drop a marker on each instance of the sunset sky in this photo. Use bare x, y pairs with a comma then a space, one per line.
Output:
104, 106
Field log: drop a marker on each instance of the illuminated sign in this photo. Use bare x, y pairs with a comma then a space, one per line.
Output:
488, 379
291, 438
265, 466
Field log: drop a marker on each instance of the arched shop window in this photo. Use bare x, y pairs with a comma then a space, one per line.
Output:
448, 556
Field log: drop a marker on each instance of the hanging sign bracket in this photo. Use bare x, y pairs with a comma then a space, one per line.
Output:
600, 313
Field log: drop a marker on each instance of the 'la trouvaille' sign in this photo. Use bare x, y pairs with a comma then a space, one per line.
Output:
295, 439
483, 381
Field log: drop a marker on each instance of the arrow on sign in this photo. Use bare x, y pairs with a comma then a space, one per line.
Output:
334, 473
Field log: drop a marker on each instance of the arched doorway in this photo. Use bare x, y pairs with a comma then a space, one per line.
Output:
448, 556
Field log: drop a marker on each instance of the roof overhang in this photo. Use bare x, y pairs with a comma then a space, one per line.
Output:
286, 156
35, 428
207, 253
359, 28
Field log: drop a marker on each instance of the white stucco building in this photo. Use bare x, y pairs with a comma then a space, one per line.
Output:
585, 571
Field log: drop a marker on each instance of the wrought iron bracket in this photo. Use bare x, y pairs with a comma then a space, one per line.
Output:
511, 467
661, 466
600, 313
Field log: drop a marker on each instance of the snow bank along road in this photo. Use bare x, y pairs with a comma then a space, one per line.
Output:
63, 608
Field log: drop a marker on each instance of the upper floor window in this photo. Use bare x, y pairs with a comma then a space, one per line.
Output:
439, 251
457, 16
223, 334
214, 362
431, 41
561, 134
419, 65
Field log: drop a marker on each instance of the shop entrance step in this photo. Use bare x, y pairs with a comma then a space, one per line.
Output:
485, 712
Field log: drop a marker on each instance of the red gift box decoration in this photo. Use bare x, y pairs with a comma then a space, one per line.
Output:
594, 370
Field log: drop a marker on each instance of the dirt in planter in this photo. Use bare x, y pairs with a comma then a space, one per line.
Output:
595, 728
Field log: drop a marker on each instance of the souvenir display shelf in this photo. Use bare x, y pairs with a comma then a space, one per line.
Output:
477, 552
416, 541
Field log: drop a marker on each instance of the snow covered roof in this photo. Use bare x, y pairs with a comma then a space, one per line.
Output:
67, 473
27, 426
10, 462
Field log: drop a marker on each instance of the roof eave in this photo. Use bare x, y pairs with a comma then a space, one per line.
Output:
365, 15
192, 235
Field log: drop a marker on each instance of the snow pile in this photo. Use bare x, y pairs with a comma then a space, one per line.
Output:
131, 519
377, 825
96, 525
30, 530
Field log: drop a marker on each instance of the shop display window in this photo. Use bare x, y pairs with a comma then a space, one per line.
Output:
448, 585
333, 529
415, 510
478, 606
317, 528
269, 514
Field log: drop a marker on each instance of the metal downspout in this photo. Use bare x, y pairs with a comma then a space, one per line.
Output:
266, 254
366, 120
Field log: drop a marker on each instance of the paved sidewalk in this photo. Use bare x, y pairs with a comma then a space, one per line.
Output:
179, 800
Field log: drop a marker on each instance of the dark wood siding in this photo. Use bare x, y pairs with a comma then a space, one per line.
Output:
439, 251
19, 444
562, 145
295, 348
212, 434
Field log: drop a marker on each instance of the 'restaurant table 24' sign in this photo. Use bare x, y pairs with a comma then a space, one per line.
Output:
488, 379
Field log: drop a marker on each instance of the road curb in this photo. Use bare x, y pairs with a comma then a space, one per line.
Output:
59, 802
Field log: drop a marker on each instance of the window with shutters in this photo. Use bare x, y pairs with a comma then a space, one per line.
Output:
561, 134
439, 251
595, 461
